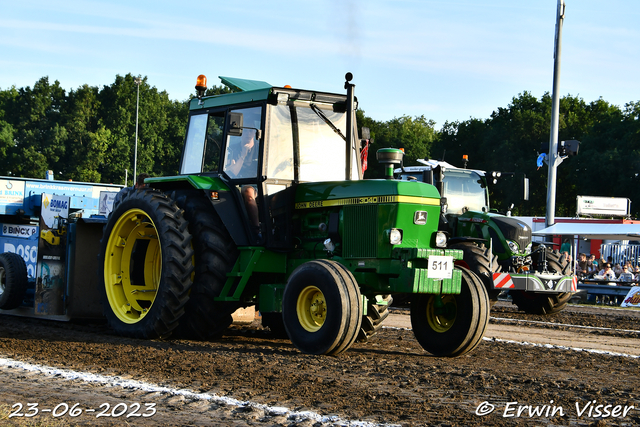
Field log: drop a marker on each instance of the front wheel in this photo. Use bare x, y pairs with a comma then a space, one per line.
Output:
545, 304
322, 307
451, 325
146, 258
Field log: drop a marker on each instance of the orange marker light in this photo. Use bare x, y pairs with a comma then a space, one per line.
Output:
201, 85
287, 86
402, 149
465, 157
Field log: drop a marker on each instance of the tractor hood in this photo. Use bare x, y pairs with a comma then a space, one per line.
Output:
320, 194
513, 229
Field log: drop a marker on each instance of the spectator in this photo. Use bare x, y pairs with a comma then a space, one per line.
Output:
626, 276
617, 269
566, 246
583, 266
594, 263
636, 271
607, 273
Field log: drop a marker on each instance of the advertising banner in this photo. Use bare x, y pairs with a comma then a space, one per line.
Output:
608, 206
632, 299
50, 280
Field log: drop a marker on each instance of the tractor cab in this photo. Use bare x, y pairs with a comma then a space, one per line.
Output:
261, 141
465, 189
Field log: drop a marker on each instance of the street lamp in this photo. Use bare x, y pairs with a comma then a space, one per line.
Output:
137, 80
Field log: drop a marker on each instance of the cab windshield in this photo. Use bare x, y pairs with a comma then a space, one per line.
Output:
465, 190
321, 148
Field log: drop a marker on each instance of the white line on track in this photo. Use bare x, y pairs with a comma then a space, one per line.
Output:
562, 347
114, 381
563, 324
551, 346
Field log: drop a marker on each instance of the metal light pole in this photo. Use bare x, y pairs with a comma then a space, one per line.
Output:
554, 159
137, 80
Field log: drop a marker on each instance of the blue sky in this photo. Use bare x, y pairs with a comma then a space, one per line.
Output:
446, 60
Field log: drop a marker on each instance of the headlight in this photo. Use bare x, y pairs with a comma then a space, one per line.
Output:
528, 248
513, 246
441, 240
395, 236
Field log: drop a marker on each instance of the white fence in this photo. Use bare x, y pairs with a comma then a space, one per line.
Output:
621, 252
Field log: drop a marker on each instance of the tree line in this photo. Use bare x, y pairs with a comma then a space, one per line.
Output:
88, 135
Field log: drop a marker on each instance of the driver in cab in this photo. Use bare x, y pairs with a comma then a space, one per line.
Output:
242, 152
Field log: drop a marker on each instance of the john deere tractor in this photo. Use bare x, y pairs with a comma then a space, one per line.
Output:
270, 209
497, 247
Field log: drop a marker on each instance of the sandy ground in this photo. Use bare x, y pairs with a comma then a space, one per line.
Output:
249, 377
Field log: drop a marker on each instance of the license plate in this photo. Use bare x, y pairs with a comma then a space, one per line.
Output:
440, 267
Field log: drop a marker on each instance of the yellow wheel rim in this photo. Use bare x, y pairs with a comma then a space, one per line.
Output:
132, 288
311, 308
441, 315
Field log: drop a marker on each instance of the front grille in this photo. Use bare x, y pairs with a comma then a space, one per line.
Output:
360, 232
514, 229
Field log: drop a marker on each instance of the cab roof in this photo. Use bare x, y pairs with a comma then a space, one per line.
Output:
432, 164
256, 90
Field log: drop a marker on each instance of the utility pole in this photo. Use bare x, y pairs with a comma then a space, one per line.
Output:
554, 159
137, 80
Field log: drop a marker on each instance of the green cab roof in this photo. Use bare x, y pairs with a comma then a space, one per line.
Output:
244, 84
250, 90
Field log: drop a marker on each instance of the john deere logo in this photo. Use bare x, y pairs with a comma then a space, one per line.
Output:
420, 218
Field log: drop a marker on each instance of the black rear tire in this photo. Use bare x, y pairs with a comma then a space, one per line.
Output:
146, 232
457, 327
480, 260
13, 280
322, 307
215, 255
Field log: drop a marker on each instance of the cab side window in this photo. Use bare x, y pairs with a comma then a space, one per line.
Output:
213, 143
241, 154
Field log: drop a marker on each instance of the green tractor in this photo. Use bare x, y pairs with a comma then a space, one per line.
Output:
270, 209
497, 247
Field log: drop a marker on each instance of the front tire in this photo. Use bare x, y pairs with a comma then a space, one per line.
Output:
451, 325
545, 303
146, 258
322, 307
542, 304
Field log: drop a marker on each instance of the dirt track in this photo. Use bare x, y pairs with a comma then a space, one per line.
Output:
390, 379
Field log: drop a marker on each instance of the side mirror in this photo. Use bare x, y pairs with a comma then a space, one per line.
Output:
234, 124
444, 207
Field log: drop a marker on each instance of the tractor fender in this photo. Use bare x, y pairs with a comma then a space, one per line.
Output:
229, 207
